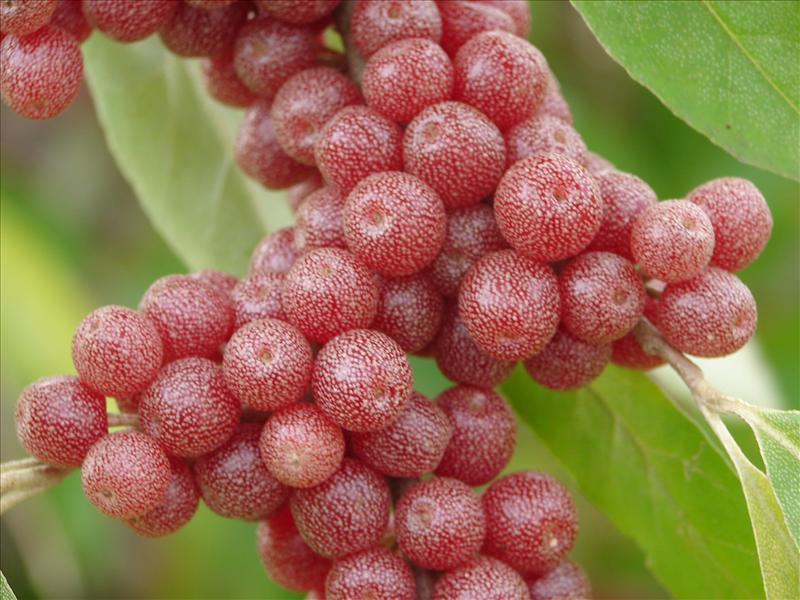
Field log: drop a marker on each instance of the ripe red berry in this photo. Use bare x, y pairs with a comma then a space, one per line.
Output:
377, 574
129, 20
362, 380
484, 434
219, 280
553, 103
596, 164
125, 474
299, 192
41, 73
116, 351
176, 508
548, 207
405, 77
195, 31
483, 578
210, 4
741, 219
69, 17
567, 363
257, 297
564, 582
518, 10
346, 513
602, 297
543, 134
21, 17
224, 84
58, 419
377, 23
318, 222
297, 12
327, 292
235, 483
457, 151
509, 305
409, 311
627, 352
462, 20
276, 253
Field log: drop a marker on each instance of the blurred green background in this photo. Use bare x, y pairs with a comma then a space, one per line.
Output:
73, 238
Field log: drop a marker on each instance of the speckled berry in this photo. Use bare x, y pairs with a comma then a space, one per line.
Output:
518, 10
276, 253
596, 164
210, 4
463, 19
129, 20
257, 297
543, 134
299, 192
318, 223
553, 103
220, 280
377, 23
297, 12
69, 17
566, 581
409, 311
484, 578
177, 505
197, 32
627, 352
377, 574
21, 17
567, 363
223, 84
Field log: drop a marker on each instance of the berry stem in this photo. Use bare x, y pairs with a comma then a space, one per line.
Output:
22, 479
123, 420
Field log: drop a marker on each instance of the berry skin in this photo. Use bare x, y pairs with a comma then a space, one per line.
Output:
567, 363
297, 12
299, 192
377, 23
413, 444
21, 17
362, 380
712, 315
129, 20
267, 364
548, 207
405, 77
484, 578
566, 581
276, 253
329, 291
531, 521
235, 483
59, 418
501, 75
602, 297
223, 84
553, 103
484, 434
462, 20
116, 351
509, 305
596, 164
220, 280
195, 31
518, 10
625, 196
377, 574
409, 311
176, 508
394, 223
627, 352
543, 134
318, 222
286, 557
188, 408
356, 142
672, 240
69, 17
210, 4
41, 73
257, 297
304, 104
125, 474
741, 219
457, 151
301, 446
346, 513
439, 523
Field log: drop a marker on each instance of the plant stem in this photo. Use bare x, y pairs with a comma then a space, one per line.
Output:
123, 420
355, 60
22, 479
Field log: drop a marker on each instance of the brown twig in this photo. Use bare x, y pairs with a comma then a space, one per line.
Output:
22, 479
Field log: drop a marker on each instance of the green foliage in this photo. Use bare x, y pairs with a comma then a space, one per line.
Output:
6, 593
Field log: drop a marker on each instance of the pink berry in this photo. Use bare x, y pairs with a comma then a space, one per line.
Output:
41, 73
346, 513
409, 311
329, 291
210, 4
220, 280
318, 223
59, 418
457, 151
377, 574
596, 164
125, 474
567, 363
741, 219
712, 315
116, 351
518, 10
257, 297
548, 207
299, 192
566, 581
129, 20
553, 103
69, 17
362, 380
627, 352
531, 522
301, 446
21, 17
484, 578
602, 297
197, 32
276, 253
377, 23
543, 134
484, 434
509, 305
235, 483
297, 12
224, 84
405, 77
394, 223
176, 508
439, 523
463, 19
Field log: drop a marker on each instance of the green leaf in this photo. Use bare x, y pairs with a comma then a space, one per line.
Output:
729, 69
6, 593
652, 471
173, 143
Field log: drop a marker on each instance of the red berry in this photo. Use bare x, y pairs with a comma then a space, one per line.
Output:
566, 581
297, 12
405, 77
286, 557
58, 419
257, 297
602, 297
543, 134
125, 474
21, 17
484, 578
318, 223
377, 574
553, 103
627, 352
299, 192
462, 20
234, 481
267, 364
567, 363
69, 17
377, 23
210, 4
128, 405
409, 311
548, 207
741, 219
362, 380
509, 305
176, 508
596, 164
116, 351
457, 151
394, 223
41, 73
327, 292
188, 409
224, 84
484, 434
519, 12
276, 253
129, 20
219, 280
198, 32
301, 446
346, 513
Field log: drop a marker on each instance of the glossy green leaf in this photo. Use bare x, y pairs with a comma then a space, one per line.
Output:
652, 471
729, 69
